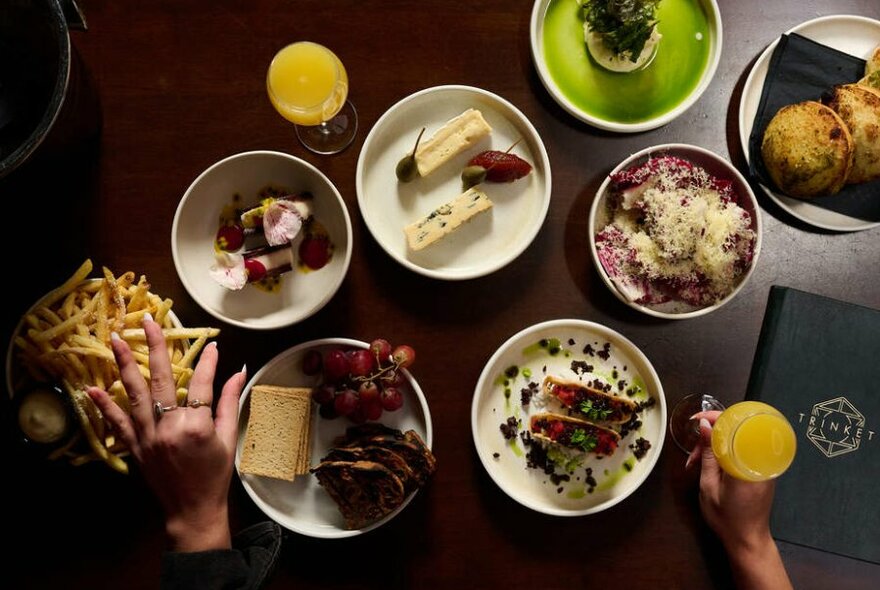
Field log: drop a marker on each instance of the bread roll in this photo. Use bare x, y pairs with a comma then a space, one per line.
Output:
807, 150
859, 108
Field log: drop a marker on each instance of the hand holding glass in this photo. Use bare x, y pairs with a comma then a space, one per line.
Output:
308, 85
752, 440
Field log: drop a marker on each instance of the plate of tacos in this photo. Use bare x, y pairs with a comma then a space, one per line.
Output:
568, 417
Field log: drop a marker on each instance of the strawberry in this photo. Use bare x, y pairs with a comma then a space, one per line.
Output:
501, 166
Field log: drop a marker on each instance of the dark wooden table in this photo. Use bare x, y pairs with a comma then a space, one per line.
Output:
181, 85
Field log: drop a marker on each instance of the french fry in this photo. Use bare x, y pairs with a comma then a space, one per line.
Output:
66, 338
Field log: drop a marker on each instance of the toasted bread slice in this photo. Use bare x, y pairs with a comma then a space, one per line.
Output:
276, 443
574, 434
589, 403
859, 107
364, 491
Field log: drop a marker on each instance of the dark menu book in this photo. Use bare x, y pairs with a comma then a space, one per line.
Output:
818, 362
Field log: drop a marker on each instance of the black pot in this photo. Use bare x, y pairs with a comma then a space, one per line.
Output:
38, 72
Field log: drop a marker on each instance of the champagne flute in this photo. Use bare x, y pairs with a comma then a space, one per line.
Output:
752, 441
308, 85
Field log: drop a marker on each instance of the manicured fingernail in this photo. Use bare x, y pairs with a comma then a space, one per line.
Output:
244, 370
690, 460
148, 317
114, 336
211, 344
694, 417
705, 424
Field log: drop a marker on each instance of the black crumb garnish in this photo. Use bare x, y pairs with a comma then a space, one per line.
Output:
596, 384
605, 353
634, 423
536, 458
640, 447
581, 367
557, 478
645, 404
589, 350
621, 384
627, 466
559, 490
544, 369
590, 480
526, 437
509, 428
571, 341
614, 373
496, 455
527, 392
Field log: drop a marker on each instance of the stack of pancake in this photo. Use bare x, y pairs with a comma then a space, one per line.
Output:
811, 149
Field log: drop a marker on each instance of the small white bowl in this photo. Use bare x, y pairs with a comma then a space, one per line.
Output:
714, 33
195, 227
716, 166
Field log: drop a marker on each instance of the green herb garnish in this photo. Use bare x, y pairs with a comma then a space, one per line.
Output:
624, 25
593, 413
563, 460
585, 441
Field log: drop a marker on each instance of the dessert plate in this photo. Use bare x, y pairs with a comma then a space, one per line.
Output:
490, 240
302, 505
552, 348
855, 35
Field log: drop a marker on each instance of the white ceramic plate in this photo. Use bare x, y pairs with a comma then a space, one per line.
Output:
537, 33
489, 241
490, 408
302, 505
13, 370
717, 167
856, 35
195, 227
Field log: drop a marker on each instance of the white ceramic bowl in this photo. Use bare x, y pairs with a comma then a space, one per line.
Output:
489, 241
197, 219
716, 166
536, 33
490, 408
302, 505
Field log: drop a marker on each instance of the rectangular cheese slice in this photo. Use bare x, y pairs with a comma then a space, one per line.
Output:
455, 136
445, 219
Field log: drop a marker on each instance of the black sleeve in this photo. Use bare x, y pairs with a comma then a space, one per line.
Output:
246, 566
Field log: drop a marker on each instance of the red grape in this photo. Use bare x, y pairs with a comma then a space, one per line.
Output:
372, 409
404, 355
368, 391
336, 366
328, 411
346, 402
393, 379
361, 363
312, 363
392, 399
324, 394
381, 348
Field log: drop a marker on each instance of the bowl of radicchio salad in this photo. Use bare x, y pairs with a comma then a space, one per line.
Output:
675, 231
568, 417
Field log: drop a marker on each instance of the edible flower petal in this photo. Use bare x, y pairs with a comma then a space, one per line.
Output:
283, 220
228, 270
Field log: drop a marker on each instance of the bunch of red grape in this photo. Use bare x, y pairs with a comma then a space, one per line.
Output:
361, 383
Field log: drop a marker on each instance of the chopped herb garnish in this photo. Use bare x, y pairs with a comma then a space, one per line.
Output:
592, 412
624, 25
585, 441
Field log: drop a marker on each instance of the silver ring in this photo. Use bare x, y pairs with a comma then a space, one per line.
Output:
159, 409
196, 403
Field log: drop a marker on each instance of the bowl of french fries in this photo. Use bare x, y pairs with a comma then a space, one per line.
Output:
62, 344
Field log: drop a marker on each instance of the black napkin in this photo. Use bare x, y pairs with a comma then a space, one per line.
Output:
801, 69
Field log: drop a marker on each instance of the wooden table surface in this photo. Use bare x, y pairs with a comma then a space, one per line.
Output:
181, 85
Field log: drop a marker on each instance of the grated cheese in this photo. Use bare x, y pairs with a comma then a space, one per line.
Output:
675, 232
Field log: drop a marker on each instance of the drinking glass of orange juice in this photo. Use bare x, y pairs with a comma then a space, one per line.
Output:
752, 440
308, 85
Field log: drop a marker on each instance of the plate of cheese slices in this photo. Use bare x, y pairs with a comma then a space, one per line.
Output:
453, 182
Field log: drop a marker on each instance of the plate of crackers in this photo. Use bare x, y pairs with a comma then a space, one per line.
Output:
284, 439
61, 346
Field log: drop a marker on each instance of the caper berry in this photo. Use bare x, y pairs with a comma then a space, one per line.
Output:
472, 176
407, 170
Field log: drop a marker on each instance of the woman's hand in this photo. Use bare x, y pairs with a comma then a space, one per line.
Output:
739, 513
186, 455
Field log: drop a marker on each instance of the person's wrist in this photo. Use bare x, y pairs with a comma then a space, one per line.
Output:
754, 545
199, 530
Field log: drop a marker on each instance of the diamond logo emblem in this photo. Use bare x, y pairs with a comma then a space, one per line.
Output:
835, 427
